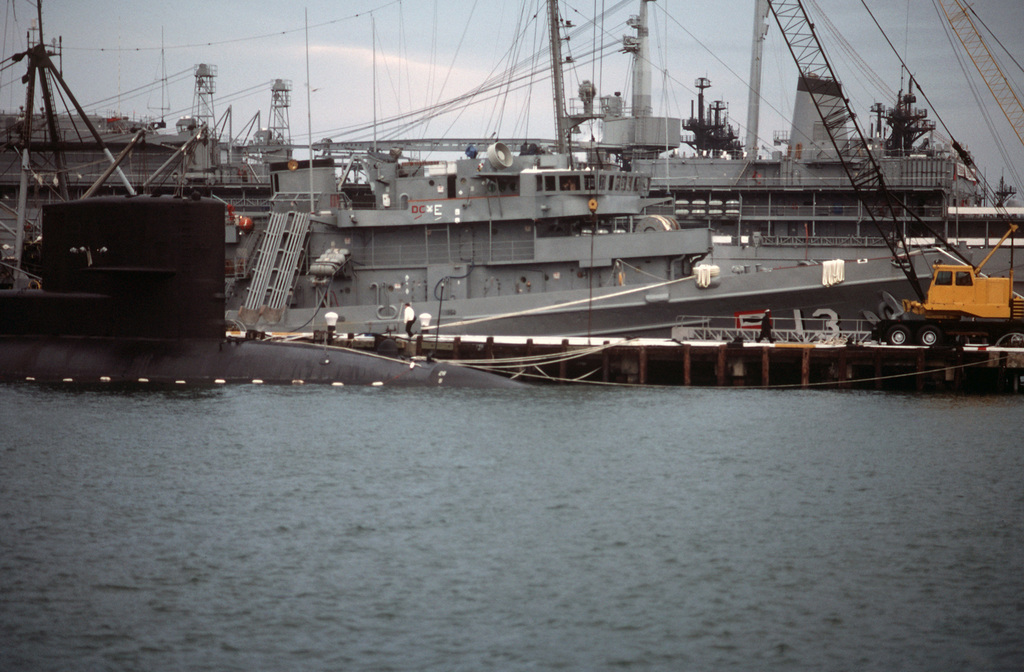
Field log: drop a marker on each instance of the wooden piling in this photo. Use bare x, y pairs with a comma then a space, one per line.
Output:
878, 369
958, 373
563, 366
919, 378
842, 375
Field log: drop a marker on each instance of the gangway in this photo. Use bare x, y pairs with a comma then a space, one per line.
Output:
276, 267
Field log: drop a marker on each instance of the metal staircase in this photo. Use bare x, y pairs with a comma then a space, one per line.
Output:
278, 263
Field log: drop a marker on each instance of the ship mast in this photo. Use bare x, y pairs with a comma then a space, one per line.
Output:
40, 63
641, 63
754, 95
561, 124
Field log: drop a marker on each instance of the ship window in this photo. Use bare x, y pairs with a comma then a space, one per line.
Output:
944, 278
571, 183
549, 183
963, 279
508, 185
602, 183
588, 182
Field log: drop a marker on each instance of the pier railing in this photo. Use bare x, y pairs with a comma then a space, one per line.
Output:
784, 329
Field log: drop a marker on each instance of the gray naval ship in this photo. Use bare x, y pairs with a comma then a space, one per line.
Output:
503, 244
633, 240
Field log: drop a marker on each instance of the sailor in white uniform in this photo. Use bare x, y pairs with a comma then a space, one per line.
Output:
409, 315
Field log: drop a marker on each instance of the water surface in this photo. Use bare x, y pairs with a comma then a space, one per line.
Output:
554, 528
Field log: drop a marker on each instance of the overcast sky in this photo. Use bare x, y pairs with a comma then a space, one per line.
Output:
429, 51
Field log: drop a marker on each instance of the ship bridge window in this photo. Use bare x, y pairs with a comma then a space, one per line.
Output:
963, 279
549, 183
508, 185
571, 183
588, 182
944, 278
602, 183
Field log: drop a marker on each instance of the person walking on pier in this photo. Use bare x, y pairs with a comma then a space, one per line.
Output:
766, 327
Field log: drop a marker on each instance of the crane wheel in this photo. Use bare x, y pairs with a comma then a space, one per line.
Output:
929, 335
897, 334
1014, 339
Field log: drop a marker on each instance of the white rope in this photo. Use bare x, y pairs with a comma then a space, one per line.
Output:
567, 304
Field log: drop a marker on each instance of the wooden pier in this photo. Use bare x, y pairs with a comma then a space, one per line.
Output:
737, 363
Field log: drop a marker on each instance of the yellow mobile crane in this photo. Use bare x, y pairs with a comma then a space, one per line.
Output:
962, 303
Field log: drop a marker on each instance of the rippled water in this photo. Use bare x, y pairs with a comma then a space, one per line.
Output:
556, 528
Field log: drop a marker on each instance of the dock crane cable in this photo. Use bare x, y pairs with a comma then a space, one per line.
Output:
818, 77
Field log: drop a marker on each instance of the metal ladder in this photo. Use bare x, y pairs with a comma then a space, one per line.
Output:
276, 268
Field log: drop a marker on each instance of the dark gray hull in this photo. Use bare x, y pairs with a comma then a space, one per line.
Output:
645, 310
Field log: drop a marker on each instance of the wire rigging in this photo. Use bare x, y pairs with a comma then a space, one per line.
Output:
966, 70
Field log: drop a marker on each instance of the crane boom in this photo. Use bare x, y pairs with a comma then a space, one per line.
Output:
840, 124
962, 24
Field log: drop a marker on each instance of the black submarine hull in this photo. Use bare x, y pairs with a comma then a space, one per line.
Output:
132, 291
200, 362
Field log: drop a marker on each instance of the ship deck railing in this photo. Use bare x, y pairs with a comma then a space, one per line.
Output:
732, 209
785, 329
801, 182
814, 241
